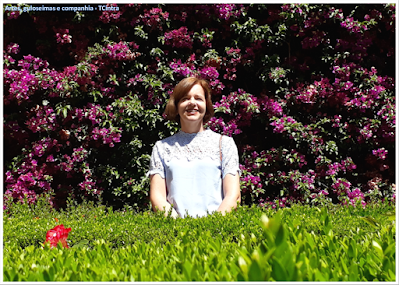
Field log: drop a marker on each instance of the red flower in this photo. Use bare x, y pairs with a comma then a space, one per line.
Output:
56, 235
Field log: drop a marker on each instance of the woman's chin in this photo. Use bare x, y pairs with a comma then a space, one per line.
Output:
193, 118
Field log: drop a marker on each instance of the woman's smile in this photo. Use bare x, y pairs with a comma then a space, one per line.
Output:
192, 111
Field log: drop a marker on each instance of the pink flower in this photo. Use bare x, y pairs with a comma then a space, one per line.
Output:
179, 38
13, 48
380, 153
225, 11
63, 36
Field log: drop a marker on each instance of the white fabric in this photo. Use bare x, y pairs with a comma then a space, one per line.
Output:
191, 165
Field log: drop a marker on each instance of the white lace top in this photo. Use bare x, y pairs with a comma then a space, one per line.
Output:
191, 166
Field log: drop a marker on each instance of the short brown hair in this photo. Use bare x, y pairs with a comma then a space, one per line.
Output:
181, 90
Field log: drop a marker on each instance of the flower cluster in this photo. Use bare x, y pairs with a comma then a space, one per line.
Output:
317, 38
354, 197
356, 26
302, 181
58, 234
225, 11
22, 84
280, 124
250, 183
271, 106
340, 186
43, 146
184, 69
276, 203
230, 66
120, 52
206, 39
31, 178
44, 119
380, 153
110, 14
13, 48
240, 106
179, 38
106, 135
277, 74
154, 18
209, 73
32, 75
94, 113
63, 36
33, 63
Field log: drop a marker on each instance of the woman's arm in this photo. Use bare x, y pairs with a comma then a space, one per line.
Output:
232, 193
158, 195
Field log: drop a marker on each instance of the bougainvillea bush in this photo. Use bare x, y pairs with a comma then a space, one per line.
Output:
307, 92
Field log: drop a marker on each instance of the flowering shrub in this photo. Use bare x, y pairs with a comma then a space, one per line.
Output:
306, 91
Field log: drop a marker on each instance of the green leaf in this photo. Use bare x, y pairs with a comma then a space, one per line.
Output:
280, 237
81, 244
319, 276
344, 266
389, 250
388, 264
352, 250
391, 215
46, 276
278, 272
187, 266
353, 272
371, 221
378, 248
255, 272
243, 265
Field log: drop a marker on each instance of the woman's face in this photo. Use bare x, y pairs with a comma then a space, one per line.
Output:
192, 107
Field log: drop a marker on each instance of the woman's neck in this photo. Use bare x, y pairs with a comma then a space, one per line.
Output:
192, 128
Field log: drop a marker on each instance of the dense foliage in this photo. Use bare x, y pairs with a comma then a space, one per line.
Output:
305, 90
297, 243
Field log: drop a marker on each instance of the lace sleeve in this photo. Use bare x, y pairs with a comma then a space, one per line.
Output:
156, 162
230, 162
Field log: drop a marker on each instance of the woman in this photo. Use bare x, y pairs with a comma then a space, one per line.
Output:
196, 171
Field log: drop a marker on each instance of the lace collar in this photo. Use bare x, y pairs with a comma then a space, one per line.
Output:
204, 133
192, 145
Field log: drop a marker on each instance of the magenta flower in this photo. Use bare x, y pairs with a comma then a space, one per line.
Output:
179, 38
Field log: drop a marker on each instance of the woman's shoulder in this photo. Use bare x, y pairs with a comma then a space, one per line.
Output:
227, 138
166, 140
212, 134
171, 140
228, 143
